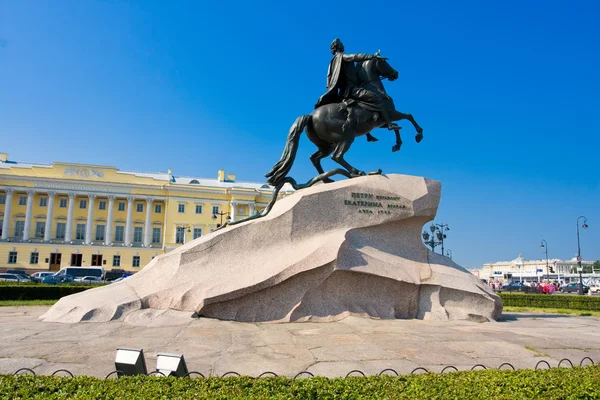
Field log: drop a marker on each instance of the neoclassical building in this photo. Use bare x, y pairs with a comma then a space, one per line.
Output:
65, 214
531, 270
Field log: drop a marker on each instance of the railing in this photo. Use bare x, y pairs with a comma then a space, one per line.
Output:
542, 364
80, 242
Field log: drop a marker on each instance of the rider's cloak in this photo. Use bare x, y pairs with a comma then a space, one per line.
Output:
333, 81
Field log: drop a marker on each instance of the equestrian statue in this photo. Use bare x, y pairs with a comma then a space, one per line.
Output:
355, 103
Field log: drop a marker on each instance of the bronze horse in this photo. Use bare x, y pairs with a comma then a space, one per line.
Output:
333, 127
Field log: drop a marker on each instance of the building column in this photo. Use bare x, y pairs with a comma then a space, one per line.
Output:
49, 212
130, 201
69, 228
232, 207
90, 219
251, 209
108, 234
7, 211
28, 215
147, 226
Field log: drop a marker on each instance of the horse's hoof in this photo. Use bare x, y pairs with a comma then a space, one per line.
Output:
395, 148
328, 180
419, 137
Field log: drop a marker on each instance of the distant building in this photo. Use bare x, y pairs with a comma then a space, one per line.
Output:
520, 268
65, 214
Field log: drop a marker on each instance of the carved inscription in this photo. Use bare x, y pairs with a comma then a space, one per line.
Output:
84, 172
371, 204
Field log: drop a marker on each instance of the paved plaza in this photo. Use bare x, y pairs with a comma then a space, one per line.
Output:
215, 347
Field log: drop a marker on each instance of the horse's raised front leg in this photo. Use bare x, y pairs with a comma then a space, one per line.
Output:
396, 147
397, 116
338, 156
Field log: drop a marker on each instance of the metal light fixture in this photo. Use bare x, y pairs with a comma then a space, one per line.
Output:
171, 364
130, 361
425, 236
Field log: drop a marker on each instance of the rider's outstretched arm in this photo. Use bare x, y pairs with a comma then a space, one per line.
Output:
358, 57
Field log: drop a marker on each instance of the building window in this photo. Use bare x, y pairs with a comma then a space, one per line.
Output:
39, 230
116, 261
61, 228
155, 235
62, 203
12, 257
22, 200
2, 199
43, 202
102, 205
157, 208
19, 228
82, 203
119, 233
137, 234
33, 259
198, 209
197, 233
80, 232
136, 261
139, 207
181, 208
121, 206
216, 210
180, 235
100, 229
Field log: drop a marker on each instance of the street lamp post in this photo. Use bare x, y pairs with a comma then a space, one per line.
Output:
544, 245
221, 214
438, 229
580, 268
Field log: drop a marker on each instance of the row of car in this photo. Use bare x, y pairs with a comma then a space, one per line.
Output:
569, 288
65, 275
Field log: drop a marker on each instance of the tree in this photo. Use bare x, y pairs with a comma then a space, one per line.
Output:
596, 266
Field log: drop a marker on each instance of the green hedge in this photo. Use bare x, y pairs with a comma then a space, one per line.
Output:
555, 383
551, 301
39, 292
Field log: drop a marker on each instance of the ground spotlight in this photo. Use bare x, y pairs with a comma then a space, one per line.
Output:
171, 364
130, 361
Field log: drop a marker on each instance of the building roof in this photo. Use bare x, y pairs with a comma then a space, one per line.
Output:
158, 176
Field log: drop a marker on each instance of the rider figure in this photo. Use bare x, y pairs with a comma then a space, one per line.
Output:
343, 84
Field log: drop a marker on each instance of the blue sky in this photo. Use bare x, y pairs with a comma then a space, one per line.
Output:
506, 91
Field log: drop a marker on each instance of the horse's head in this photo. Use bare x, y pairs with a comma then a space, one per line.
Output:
385, 70
374, 69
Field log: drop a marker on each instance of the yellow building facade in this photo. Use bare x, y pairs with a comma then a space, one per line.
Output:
64, 214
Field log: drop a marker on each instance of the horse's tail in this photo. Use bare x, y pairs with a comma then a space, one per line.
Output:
281, 169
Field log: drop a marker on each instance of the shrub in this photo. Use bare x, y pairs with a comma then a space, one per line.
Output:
38, 292
555, 383
551, 301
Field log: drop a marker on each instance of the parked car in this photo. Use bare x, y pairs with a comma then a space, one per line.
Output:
88, 279
574, 288
39, 276
595, 288
13, 278
513, 286
120, 279
18, 272
57, 279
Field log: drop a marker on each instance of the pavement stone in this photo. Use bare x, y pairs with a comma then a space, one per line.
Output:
331, 349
